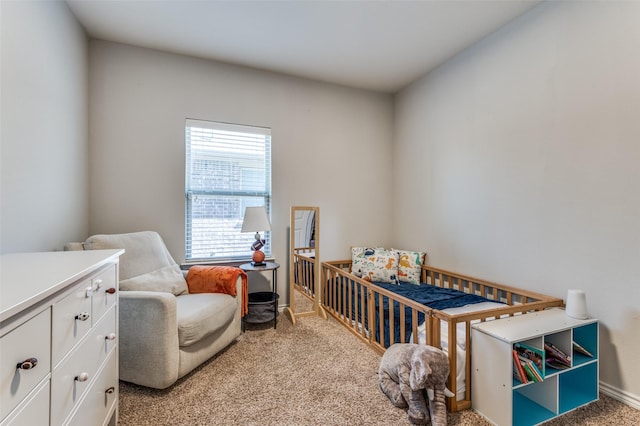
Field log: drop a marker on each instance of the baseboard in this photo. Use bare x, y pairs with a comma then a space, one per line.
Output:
620, 395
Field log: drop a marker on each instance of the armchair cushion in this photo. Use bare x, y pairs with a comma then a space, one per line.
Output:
146, 264
218, 279
202, 314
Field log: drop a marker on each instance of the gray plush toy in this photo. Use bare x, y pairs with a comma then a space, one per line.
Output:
408, 371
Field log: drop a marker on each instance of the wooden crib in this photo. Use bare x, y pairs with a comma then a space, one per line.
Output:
441, 328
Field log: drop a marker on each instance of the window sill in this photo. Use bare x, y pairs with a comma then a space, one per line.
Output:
236, 262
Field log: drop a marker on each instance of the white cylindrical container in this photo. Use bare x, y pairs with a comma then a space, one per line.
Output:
576, 304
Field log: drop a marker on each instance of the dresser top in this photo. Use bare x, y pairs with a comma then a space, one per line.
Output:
29, 278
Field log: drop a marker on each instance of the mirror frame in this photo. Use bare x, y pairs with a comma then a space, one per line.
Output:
290, 311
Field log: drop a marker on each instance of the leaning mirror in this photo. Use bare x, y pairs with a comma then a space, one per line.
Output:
304, 261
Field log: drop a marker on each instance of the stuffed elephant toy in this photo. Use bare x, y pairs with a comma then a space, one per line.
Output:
407, 372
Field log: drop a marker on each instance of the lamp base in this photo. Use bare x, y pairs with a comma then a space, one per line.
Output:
258, 258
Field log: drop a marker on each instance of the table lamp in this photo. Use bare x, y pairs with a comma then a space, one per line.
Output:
256, 219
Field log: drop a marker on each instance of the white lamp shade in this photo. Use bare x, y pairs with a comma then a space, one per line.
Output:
255, 220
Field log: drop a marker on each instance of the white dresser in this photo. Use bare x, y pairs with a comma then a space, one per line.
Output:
58, 338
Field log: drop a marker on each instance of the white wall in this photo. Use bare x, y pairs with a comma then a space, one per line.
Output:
521, 157
44, 127
330, 145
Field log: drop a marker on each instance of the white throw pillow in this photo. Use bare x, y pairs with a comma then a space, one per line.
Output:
146, 263
167, 280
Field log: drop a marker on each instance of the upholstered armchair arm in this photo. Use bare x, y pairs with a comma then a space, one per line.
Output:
148, 338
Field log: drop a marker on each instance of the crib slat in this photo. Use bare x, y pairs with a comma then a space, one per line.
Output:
452, 342
414, 325
349, 299
402, 325
392, 316
371, 315
380, 325
362, 306
467, 365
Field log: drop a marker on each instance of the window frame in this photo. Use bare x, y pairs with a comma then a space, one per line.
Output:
244, 196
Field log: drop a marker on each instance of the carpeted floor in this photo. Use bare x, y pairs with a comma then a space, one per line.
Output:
316, 373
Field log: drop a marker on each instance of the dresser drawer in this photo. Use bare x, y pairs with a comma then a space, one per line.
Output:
101, 400
71, 379
102, 340
29, 340
71, 320
34, 410
104, 293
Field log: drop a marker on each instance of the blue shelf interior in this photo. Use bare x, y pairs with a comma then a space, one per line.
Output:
578, 387
587, 337
527, 413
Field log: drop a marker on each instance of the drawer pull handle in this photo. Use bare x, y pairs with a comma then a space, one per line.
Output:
110, 390
27, 364
110, 336
82, 377
111, 290
83, 316
98, 283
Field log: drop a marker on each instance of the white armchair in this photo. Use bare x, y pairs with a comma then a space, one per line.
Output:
164, 332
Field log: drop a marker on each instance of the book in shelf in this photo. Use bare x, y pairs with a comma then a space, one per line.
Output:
580, 349
555, 357
518, 370
533, 354
554, 363
530, 368
530, 376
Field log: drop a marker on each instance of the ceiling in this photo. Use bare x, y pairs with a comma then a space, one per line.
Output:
374, 45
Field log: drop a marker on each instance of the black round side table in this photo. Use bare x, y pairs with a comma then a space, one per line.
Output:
263, 301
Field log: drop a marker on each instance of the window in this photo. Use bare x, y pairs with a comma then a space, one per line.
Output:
228, 168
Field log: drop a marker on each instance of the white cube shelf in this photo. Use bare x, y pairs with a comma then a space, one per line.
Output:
505, 400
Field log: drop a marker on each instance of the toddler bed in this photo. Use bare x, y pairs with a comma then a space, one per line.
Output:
380, 315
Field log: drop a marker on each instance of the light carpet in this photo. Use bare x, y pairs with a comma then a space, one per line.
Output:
313, 373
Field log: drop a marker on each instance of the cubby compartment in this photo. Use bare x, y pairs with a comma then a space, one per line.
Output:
587, 338
561, 343
578, 387
535, 402
533, 351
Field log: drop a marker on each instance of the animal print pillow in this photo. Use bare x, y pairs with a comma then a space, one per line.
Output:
359, 256
376, 265
410, 265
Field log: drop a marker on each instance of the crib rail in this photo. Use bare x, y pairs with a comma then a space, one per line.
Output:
490, 290
352, 302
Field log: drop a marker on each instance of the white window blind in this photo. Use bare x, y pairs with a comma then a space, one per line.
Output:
228, 168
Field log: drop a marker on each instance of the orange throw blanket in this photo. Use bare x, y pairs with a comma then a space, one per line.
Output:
218, 279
